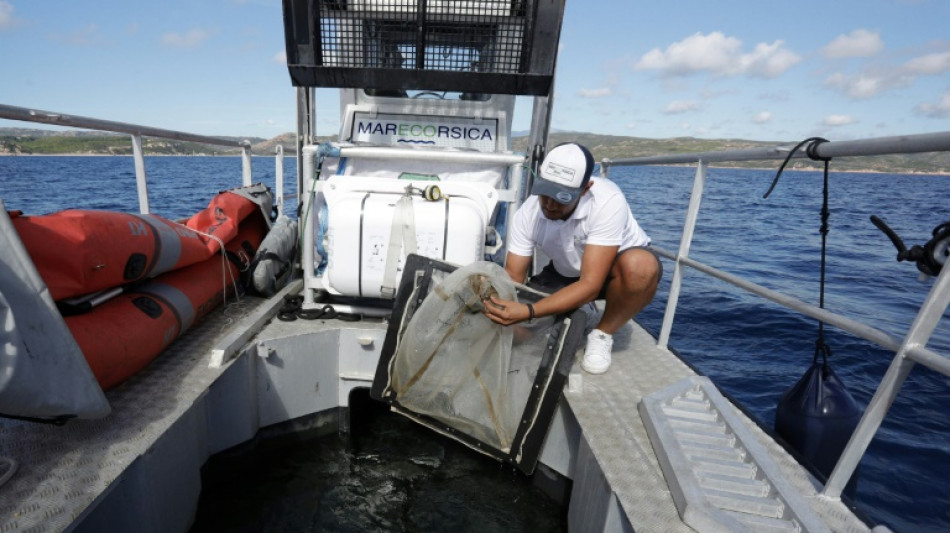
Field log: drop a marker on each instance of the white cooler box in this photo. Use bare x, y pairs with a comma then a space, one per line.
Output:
361, 213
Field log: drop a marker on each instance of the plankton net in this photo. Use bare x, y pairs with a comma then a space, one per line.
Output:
447, 366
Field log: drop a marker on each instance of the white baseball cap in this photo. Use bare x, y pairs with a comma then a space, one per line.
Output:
564, 172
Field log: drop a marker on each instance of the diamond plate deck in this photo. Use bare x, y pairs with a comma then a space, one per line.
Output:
606, 410
63, 470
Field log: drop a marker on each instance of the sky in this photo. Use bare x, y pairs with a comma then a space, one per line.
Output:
747, 69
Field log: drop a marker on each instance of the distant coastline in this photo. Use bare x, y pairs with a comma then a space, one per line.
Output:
79, 154
30, 142
764, 168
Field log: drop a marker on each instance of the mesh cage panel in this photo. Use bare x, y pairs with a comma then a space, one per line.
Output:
475, 36
501, 46
454, 365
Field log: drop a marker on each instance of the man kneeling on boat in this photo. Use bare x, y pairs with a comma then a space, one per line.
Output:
596, 247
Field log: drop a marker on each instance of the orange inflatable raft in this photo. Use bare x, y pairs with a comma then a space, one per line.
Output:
84, 251
166, 275
121, 336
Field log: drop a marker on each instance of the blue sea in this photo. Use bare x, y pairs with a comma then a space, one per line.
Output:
753, 349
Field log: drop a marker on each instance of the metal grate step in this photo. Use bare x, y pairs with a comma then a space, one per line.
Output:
720, 476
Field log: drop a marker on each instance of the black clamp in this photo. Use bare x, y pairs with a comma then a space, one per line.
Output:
930, 257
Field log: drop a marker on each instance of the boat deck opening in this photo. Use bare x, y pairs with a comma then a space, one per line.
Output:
141, 464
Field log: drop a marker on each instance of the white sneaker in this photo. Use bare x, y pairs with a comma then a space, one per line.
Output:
597, 354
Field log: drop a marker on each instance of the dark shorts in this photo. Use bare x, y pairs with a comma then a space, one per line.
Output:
550, 280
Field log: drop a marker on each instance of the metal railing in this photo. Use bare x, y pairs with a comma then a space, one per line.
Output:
137, 132
908, 352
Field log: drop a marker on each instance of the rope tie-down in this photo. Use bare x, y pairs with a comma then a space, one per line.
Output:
811, 145
817, 415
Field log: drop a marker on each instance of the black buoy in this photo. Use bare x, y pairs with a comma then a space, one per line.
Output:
817, 416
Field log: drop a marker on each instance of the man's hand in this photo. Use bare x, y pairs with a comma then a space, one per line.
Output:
505, 312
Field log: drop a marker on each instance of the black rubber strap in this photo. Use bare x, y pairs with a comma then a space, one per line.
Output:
812, 143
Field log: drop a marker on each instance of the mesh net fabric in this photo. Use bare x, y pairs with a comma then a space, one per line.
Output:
455, 365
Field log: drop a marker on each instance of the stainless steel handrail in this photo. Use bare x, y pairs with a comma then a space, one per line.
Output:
137, 132
904, 144
852, 326
910, 351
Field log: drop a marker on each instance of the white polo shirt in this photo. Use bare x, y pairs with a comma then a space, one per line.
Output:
602, 217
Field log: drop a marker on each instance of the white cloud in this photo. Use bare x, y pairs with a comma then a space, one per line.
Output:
867, 85
939, 110
870, 83
680, 106
719, 55
838, 120
7, 20
762, 117
280, 58
698, 52
768, 60
594, 93
929, 65
190, 39
858, 43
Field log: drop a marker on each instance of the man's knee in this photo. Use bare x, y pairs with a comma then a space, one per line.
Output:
639, 269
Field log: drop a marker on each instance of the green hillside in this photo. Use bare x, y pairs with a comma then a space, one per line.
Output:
47, 142
616, 147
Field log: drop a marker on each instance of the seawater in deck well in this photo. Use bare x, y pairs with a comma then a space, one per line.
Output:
388, 474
